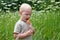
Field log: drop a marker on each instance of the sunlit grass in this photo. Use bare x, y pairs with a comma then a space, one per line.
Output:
46, 24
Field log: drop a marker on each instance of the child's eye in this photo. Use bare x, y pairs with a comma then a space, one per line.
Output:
28, 14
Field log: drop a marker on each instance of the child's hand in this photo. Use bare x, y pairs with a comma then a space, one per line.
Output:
32, 29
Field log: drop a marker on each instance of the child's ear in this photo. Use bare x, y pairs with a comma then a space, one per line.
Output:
20, 12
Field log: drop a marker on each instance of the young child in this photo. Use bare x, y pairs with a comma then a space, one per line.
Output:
23, 28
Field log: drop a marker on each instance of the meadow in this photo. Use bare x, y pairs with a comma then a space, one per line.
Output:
46, 24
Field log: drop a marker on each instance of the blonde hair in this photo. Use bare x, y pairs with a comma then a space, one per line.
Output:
24, 6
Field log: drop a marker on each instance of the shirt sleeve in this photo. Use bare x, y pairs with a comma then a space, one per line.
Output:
17, 28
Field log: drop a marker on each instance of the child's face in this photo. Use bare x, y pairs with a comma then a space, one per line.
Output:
26, 14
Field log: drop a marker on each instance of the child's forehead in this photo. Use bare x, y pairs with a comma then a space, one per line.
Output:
27, 10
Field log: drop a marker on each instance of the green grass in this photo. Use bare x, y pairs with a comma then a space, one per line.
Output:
46, 24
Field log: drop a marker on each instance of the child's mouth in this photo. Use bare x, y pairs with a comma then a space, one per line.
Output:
26, 18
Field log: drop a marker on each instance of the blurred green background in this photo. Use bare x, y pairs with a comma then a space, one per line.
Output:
45, 18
